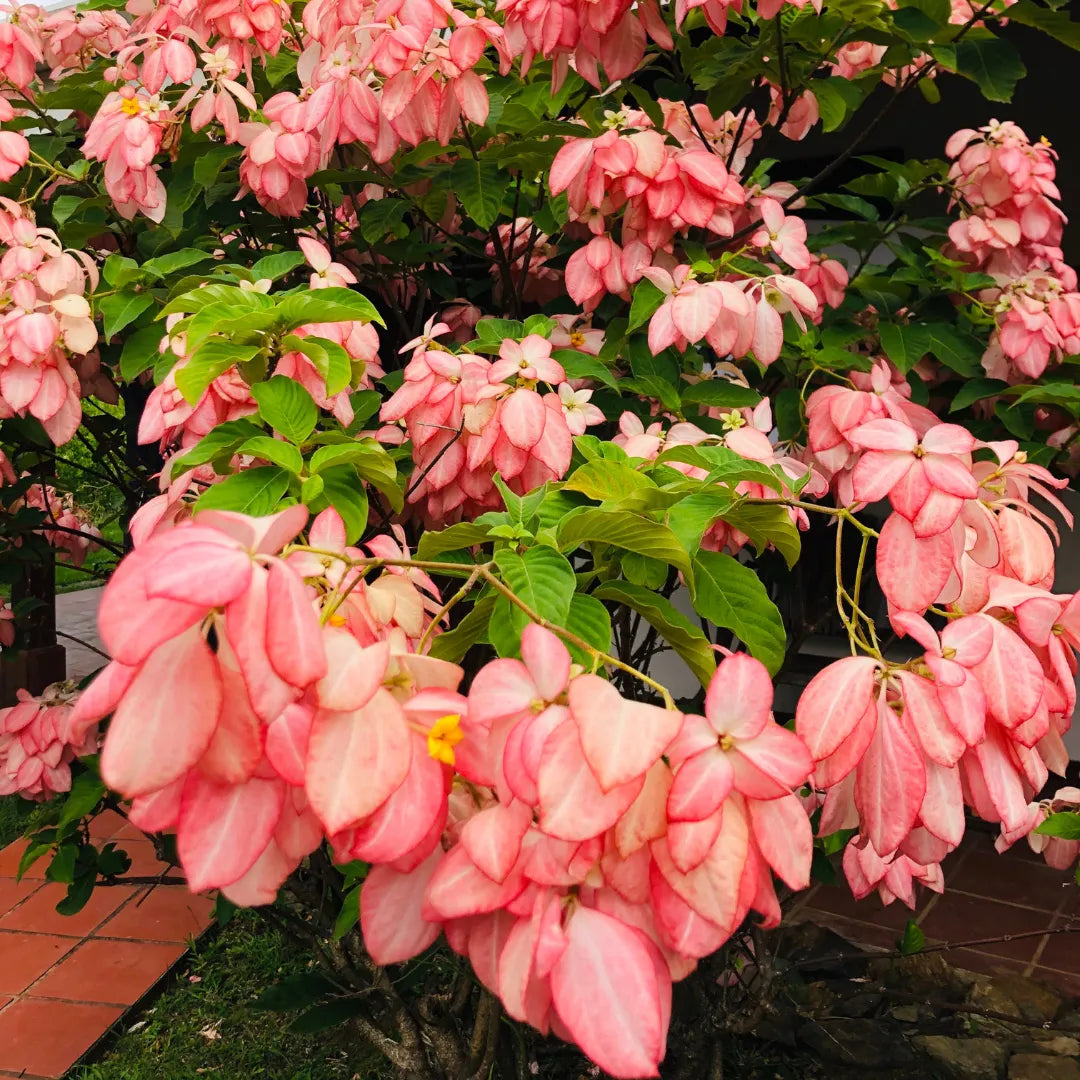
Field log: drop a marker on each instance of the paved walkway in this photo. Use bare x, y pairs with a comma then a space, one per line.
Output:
66, 980
76, 614
986, 896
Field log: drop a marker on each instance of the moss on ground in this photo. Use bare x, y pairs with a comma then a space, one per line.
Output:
203, 1025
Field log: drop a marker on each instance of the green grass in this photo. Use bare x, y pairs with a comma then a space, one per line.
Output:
14, 815
203, 1024
72, 579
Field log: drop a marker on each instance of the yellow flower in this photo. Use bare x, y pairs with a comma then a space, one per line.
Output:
131, 106
443, 737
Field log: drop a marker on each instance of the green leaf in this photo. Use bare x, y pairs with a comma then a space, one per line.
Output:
852, 204
79, 892
641, 570
311, 489
916, 24
224, 910
904, 344
766, 524
122, 309
602, 479
163, 265
690, 518
272, 267
992, 63
837, 99
671, 624
382, 216
221, 441
495, 330
330, 1015
913, 940
1055, 23
62, 867
287, 407
1054, 393
327, 306
721, 393
349, 915
732, 596
465, 534
274, 450
331, 361
345, 492
211, 160
240, 301
579, 365
293, 992
111, 861
208, 361
254, 491
956, 349
86, 792
1066, 826
120, 270
647, 299
480, 187
542, 579
626, 530
454, 644
976, 390
140, 352
35, 850
724, 465
342, 454
589, 619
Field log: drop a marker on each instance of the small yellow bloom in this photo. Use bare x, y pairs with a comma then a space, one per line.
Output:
443, 737
131, 106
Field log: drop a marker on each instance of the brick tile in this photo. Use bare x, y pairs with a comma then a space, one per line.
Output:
164, 913
114, 972
1062, 951
39, 913
129, 832
9, 862
106, 825
1069, 981
144, 860
956, 918
26, 957
1009, 878
837, 900
858, 933
45, 1038
983, 963
13, 892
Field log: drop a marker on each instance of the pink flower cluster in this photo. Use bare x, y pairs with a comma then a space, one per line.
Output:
126, 135
604, 847
735, 317
36, 750
469, 418
248, 711
977, 719
747, 433
66, 526
170, 419
1059, 852
1011, 228
46, 325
